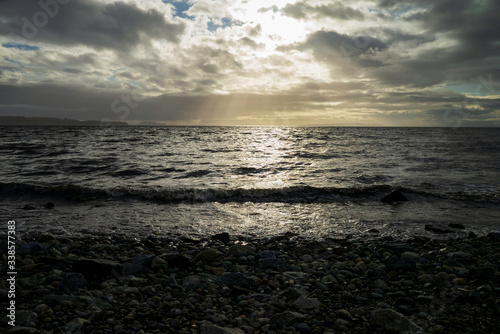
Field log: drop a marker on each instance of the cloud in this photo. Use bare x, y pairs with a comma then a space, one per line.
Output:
290, 62
301, 10
273, 8
310, 103
325, 42
117, 26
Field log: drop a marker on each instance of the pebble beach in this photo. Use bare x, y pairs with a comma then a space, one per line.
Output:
233, 284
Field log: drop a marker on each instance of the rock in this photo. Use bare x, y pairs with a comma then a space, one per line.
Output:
28, 207
459, 281
395, 196
180, 261
272, 263
159, 263
456, 226
493, 236
267, 254
49, 205
75, 281
44, 238
401, 264
33, 246
398, 247
305, 303
284, 319
393, 321
232, 279
144, 260
410, 255
207, 256
442, 277
134, 269
344, 314
483, 273
240, 250
434, 229
303, 328
357, 312
436, 329
75, 325
26, 318
23, 330
471, 235
191, 282
380, 284
97, 268
223, 237
425, 278
56, 300
213, 329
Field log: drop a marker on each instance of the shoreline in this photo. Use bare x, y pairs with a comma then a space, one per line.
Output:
232, 284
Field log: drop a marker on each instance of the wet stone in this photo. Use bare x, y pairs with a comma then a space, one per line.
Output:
232, 279
75, 281
391, 320
213, 329
286, 318
304, 302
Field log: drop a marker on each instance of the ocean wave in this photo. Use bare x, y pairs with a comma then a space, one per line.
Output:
292, 194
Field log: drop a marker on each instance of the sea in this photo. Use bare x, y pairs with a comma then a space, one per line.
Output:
255, 182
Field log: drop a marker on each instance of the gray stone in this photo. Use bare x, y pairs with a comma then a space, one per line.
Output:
223, 237
232, 279
272, 263
240, 250
75, 325
267, 254
303, 328
410, 255
191, 282
286, 318
144, 260
398, 247
380, 284
23, 330
33, 246
75, 281
213, 329
178, 260
134, 269
393, 321
401, 264
305, 303
395, 196
26, 318
207, 256
94, 267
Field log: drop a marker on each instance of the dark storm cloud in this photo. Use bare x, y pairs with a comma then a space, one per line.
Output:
119, 26
332, 47
474, 25
473, 50
301, 10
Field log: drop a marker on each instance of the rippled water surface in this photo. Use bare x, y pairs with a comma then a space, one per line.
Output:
257, 180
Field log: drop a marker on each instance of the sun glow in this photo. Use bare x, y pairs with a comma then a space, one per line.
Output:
276, 28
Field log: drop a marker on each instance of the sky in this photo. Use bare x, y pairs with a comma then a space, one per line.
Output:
259, 62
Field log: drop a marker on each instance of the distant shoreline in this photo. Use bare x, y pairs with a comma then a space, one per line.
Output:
49, 121
52, 121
